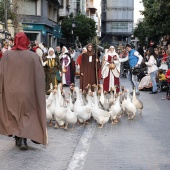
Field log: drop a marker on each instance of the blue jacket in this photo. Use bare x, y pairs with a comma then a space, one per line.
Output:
132, 58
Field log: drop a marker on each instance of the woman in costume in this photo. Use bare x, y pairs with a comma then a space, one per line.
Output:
50, 68
65, 63
111, 70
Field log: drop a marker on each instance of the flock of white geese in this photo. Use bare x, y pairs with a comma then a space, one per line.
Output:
82, 106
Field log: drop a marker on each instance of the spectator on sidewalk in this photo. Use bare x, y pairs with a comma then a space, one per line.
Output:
140, 50
22, 94
167, 75
161, 79
152, 69
5, 48
168, 59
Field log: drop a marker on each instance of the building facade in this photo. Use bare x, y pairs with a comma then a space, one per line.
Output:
39, 19
90, 8
93, 11
117, 21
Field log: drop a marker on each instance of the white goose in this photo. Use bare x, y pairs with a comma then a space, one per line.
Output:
59, 113
101, 116
83, 112
50, 97
137, 102
112, 95
130, 107
116, 110
102, 98
70, 116
49, 115
60, 97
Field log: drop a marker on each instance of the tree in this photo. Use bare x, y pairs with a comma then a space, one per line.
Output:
141, 31
156, 21
85, 28
157, 17
11, 12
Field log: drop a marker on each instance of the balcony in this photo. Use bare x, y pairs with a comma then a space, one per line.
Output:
91, 7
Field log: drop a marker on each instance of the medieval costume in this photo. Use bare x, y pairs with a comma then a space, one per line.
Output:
72, 65
78, 61
89, 68
111, 74
22, 96
50, 69
65, 63
59, 68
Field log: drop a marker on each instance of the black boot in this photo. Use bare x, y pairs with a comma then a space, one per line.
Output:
23, 144
17, 141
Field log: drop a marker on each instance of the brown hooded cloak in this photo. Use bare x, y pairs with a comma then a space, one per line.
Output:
22, 95
88, 68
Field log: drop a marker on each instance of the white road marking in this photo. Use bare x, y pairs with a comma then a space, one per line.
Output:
78, 159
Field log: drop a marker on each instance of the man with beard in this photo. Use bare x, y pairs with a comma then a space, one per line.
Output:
89, 68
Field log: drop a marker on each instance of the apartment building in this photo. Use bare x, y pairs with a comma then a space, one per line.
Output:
39, 19
90, 8
117, 21
93, 11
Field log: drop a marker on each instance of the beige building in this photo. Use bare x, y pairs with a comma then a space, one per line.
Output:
93, 11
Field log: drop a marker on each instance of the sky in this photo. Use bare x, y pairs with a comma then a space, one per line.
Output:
137, 7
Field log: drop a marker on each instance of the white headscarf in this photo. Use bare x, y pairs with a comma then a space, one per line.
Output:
65, 49
111, 53
49, 56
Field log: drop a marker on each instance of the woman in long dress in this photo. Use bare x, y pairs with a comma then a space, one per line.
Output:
50, 68
65, 63
111, 74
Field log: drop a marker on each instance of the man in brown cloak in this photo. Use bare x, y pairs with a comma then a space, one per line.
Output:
89, 68
22, 94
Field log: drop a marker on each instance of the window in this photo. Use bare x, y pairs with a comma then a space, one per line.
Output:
55, 15
50, 12
27, 7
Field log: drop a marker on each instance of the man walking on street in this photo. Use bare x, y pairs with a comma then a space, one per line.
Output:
135, 60
22, 94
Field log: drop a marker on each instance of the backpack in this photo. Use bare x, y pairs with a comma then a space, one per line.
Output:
158, 62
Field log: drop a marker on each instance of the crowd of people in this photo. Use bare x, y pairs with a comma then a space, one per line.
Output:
156, 65
24, 92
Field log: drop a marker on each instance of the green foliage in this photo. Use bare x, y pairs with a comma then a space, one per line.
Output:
11, 12
157, 16
105, 45
156, 20
85, 28
141, 31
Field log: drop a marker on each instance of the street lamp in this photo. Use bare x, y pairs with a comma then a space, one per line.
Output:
73, 27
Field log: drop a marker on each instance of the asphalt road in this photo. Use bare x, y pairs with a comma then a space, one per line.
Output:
139, 144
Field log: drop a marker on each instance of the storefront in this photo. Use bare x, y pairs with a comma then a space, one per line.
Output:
41, 33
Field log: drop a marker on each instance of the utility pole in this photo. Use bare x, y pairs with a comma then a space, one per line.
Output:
5, 13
